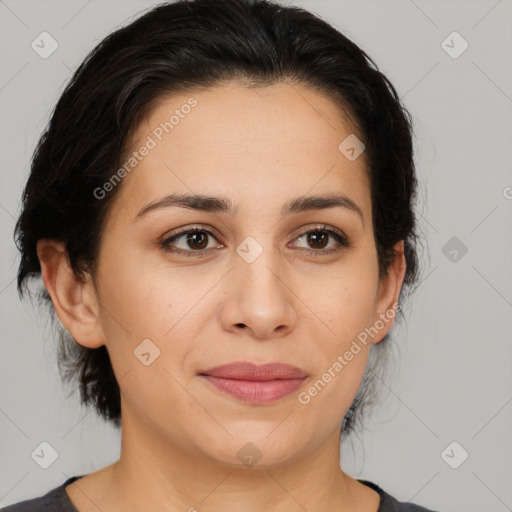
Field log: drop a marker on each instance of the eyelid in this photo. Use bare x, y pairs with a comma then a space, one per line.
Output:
192, 227
319, 227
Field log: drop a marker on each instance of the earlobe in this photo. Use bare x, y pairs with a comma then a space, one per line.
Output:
389, 292
74, 299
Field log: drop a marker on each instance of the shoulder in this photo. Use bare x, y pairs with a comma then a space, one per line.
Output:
55, 500
32, 505
390, 504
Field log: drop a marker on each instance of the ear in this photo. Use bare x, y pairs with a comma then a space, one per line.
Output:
74, 300
386, 302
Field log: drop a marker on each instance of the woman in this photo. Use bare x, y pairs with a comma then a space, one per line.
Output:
221, 210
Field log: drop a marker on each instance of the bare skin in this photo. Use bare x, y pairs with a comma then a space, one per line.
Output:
181, 438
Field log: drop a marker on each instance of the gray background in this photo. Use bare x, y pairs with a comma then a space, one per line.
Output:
454, 381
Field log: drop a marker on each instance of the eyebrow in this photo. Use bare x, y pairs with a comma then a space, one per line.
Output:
225, 205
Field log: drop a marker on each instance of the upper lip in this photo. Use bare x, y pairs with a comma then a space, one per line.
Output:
250, 371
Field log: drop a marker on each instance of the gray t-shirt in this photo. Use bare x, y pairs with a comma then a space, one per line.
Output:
57, 500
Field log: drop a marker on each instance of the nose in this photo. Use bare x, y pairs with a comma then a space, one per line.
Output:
258, 301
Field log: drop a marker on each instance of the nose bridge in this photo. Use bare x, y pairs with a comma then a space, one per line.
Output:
259, 263
259, 298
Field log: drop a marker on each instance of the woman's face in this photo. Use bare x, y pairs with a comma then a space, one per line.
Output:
260, 290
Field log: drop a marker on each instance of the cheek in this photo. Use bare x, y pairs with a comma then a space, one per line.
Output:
333, 389
145, 323
142, 297
341, 355
345, 309
150, 302
344, 303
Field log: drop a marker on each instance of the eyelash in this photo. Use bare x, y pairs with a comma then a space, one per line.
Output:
338, 236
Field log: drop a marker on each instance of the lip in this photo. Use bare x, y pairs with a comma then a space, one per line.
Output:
255, 384
250, 371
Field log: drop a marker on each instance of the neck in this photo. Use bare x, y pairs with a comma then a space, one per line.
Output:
154, 474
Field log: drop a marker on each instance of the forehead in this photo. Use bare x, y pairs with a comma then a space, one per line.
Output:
252, 144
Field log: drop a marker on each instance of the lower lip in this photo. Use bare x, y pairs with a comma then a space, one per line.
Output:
255, 392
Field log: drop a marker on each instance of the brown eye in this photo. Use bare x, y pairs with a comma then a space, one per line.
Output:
317, 240
189, 241
197, 240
